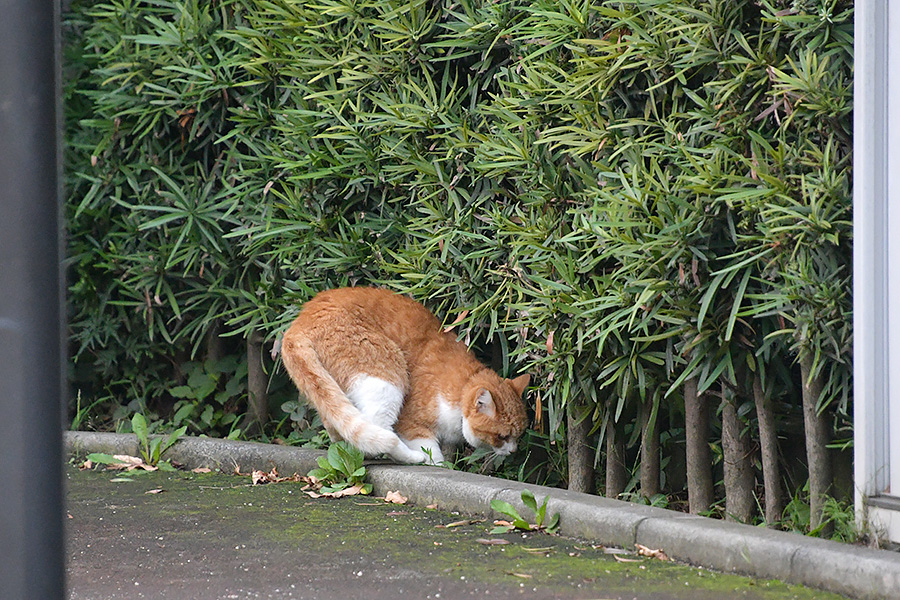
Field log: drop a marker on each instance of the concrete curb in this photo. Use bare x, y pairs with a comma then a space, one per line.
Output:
191, 452
853, 571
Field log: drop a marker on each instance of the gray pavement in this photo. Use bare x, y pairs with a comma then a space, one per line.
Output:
106, 558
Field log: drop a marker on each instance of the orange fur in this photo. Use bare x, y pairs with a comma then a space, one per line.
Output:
384, 377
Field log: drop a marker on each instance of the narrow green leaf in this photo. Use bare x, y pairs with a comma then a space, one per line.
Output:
506, 508
101, 458
708, 297
529, 500
736, 306
139, 427
553, 525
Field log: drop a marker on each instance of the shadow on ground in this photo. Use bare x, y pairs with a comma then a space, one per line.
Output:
206, 536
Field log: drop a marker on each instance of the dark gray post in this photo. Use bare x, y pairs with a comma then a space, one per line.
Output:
31, 509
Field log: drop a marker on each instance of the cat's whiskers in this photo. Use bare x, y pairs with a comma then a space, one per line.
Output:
495, 457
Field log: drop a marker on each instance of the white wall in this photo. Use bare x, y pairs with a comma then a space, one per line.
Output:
876, 264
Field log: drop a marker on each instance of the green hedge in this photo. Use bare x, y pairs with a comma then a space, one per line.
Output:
618, 197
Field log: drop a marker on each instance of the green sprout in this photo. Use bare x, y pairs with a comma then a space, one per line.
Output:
340, 468
517, 522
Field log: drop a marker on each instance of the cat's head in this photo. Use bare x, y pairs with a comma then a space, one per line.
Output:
493, 411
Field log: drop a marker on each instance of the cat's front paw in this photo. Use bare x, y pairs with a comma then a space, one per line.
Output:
421, 457
433, 456
404, 454
429, 447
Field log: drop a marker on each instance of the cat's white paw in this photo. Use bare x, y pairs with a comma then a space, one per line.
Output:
421, 457
430, 447
404, 454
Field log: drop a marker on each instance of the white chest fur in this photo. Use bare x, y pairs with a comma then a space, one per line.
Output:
449, 422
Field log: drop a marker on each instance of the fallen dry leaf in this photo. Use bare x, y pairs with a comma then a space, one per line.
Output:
262, 477
621, 559
201, 470
459, 523
156, 491
545, 550
492, 541
432, 506
128, 463
397, 513
350, 491
521, 575
395, 498
650, 552
86, 465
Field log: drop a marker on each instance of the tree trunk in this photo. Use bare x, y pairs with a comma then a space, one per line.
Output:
817, 437
616, 475
257, 382
215, 349
580, 453
649, 453
768, 443
739, 479
698, 456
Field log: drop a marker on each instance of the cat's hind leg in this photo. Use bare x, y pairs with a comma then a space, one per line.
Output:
378, 400
340, 415
372, 376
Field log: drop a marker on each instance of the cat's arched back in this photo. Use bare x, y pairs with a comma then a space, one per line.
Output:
385, 377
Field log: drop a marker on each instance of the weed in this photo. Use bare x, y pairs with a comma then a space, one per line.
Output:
82, 413
839, 516
340, 468
517, 522
152, 448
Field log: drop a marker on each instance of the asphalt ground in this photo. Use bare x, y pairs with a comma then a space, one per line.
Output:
217, 536
717, 546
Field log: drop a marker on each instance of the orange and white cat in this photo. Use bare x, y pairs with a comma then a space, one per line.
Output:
385, 377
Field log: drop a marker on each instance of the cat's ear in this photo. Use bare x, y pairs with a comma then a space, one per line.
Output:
484, 403
520, 383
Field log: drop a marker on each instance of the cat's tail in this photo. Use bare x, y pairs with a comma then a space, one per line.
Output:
336, 410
